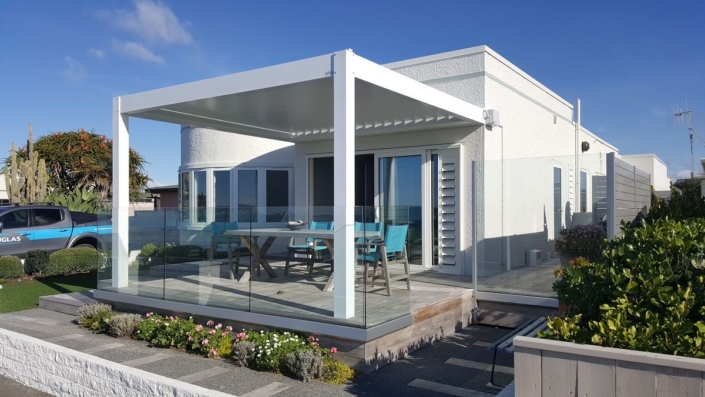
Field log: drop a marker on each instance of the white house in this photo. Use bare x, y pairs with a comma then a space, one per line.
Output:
652, 164
484, 163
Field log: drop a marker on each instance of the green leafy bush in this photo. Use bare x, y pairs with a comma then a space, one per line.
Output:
646, 293
582, 240
11, 267
73, 260
36, 262
335, 372
95, 316
124, 324
171, 253
686, 204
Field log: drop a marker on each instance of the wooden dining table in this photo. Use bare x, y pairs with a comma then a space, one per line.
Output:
249, 236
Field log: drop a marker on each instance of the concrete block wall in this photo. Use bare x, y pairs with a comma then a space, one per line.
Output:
552, 368
64, 372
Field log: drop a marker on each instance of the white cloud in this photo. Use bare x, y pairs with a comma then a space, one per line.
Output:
680, 174
96, 53
74, 71
150, 20
137, 51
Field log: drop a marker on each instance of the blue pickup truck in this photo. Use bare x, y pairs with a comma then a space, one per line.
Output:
48, 227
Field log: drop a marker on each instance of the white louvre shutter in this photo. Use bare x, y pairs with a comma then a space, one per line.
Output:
447, 207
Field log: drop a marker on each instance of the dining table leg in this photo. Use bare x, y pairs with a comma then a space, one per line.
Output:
329, 284
259, 257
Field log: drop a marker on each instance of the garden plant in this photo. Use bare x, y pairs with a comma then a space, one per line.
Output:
646, 292
273, 351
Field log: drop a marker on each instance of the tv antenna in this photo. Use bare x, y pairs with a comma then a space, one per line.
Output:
679, 116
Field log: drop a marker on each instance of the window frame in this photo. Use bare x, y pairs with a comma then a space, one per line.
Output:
191, 220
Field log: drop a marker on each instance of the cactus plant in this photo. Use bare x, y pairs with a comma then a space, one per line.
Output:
26, 181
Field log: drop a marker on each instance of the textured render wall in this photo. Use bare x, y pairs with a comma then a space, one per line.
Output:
651, 164
202, 147
469, 139
63, 372
552, 368
500, 70
460, 76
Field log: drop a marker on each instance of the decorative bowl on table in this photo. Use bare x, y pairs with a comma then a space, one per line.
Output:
296, 225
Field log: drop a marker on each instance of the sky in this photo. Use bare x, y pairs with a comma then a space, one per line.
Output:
631, 63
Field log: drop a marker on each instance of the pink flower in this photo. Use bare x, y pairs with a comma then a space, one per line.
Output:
190, 338
212, 332
314, 343
204, 342
171, 318
225, 333
311, 338
241, 335
229, 328
210, 323
199, 327
158, 321
219, 326
150, 314
333, 350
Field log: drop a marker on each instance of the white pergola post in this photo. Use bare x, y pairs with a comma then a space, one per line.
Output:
121, 196
344, 177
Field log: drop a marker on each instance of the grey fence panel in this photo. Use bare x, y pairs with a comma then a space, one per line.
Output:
599, 198
628, 192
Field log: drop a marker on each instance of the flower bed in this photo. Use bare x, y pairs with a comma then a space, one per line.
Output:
280, 352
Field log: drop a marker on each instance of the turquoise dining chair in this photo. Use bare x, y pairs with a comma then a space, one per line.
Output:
311, 249
391, 250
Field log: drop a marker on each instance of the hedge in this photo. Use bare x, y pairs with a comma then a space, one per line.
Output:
73, 260
11, 267
36, 262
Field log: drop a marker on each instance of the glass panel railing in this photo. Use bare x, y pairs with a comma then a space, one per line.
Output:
525, 203
262, 266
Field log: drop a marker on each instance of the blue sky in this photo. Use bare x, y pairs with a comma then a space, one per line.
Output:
629, 62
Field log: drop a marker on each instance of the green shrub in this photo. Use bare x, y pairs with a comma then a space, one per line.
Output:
73, 260
243, 352
36, 262
582, 240
11, 267
171, 253
646, 293
305, 365
123, 324
686, 204
335, 372
95, 316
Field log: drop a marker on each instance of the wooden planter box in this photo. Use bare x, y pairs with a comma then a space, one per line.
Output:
551, 368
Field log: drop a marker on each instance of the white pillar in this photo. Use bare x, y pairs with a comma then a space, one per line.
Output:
121, 196
344, 172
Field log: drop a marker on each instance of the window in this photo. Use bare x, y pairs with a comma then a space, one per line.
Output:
277, 195
221, 188
583, 191
46, 216
199, 180
246, 196
185, 187
15, 219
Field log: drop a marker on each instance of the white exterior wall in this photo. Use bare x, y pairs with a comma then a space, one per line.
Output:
3, 188
653, 165
204, 148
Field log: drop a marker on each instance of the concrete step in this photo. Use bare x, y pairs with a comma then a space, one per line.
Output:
66, 303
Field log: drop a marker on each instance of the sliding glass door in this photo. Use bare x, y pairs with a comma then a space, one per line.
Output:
400, 198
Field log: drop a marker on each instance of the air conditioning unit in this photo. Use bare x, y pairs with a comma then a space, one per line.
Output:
533, 257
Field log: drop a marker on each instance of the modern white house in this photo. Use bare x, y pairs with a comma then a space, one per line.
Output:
652, 164
482, 162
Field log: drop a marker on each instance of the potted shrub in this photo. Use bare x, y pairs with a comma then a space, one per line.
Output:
587, 241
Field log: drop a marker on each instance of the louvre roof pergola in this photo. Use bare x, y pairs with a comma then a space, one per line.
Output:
337, 97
